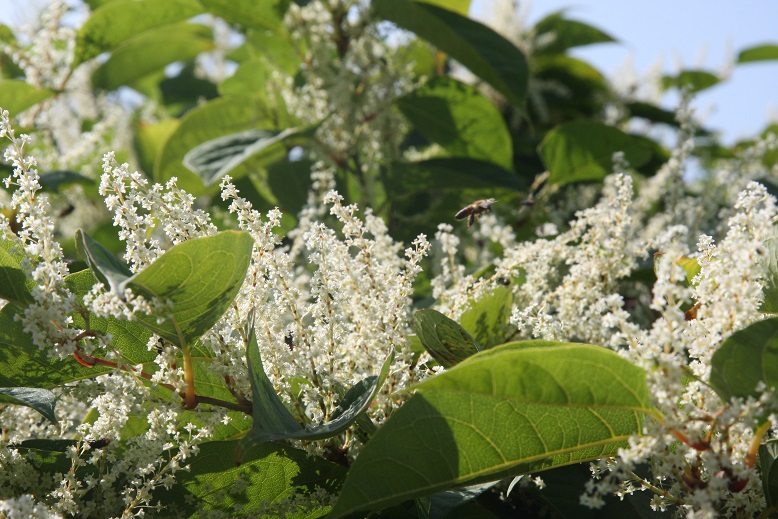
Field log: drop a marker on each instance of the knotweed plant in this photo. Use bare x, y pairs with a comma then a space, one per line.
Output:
237, 311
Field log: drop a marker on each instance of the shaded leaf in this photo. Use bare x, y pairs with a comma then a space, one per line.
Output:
522, 408
746, 358
583, 151
768, 452
42, 400
488, 318
215, 158
487, 54
53, 180
445, 340
106, 267
14, 285
770, 289
460, 119
452, 173
568, 33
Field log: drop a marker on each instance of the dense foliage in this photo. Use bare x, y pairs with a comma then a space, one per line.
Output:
336, 258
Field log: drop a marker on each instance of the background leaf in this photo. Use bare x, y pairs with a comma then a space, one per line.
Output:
488, 318
522, 408
583, 151
746, 358
17, 96
14, 285
444, 339
487, 54
758, 53
568, 33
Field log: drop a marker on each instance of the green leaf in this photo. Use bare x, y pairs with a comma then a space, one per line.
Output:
215, 158
199, 278
444, 339
691, 268
116, 22
768, 452
583, 151
22, 364
273, 421
770, 289
148, 139
249, 13
511, 410
568, 33
758, 53
693, 80
17, 96
151, 51
487, 54
14, 285
746, 358
221, 116
105, 266
460, 119
652, 113
451, 173
488, 319
458, 6
42, 400
270, 475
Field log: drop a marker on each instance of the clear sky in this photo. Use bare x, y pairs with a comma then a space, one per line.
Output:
684, 34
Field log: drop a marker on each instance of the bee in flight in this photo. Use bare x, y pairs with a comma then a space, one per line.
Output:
475, 210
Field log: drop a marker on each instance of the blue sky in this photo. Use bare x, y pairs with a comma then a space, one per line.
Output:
685, 33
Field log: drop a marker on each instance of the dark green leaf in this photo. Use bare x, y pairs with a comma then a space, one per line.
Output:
14, 285
768, 452
758, 53
460, 119
120, 20
746, 358
568, 33
444, 339
271, 474
214, 159
17, 96
652, 113
487, 54
521, 407
693, 80
488, 319
42, 400
444, 502
105, 266
452, 173
151, 51
272, 421
199, 278
583, 151
53, 180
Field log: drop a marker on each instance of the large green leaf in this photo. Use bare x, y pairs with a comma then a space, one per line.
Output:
746, 358
514, 409
758, 53
17, 96
568, 33
270, 475
267, 14
42, 400
199, 279
221, 116
487, 54
14, 285
488, 319
583, 151
151, 51
215, 158
460, 119
273, 421
444, 339
458, 6
119, 20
